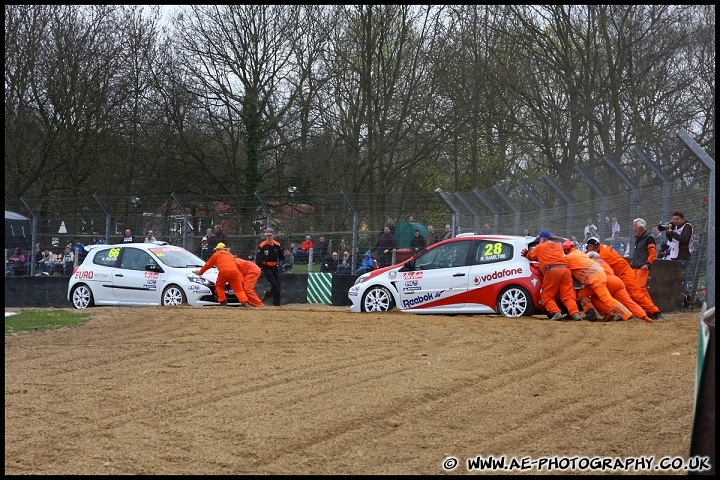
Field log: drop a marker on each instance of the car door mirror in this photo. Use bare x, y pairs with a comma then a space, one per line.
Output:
408, 266
151, 267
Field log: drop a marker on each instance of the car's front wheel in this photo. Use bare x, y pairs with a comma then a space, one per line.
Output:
378, 299
515, 301
173, 295
82, 297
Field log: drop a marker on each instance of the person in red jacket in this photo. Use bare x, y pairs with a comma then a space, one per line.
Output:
556, 276
622, 269
227, 273
250, 273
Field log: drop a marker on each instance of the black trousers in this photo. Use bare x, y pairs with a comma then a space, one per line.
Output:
272, 275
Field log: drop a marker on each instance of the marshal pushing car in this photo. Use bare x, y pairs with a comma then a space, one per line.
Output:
141, 274
468, 274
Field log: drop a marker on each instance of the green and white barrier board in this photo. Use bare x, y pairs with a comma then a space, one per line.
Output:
319, 288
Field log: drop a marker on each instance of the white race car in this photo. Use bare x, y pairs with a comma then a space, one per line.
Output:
467, 274
141, 274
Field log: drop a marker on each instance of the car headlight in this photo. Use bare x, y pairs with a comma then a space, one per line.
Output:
362, 278
194, 277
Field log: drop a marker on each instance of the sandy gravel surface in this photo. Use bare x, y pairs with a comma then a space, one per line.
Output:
314, 389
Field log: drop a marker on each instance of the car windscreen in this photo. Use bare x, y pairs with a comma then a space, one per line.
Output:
177, 257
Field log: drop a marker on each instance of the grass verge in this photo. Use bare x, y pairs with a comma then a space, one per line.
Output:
39, 320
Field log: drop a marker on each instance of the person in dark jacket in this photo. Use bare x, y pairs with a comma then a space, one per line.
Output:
644, 254
385, 246
417, 243
269, 254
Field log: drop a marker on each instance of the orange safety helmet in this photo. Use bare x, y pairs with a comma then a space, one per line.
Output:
568, 246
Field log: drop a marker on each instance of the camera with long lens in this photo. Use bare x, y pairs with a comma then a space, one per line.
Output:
666, 226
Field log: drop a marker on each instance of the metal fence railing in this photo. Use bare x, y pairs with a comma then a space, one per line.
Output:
353, 222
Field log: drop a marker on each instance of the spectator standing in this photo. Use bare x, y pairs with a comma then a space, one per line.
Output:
644, 254
79, 250
16, 263
150, 238
614, 227
679, 239
417, 243
219, 234
432, 236
617, 244
385, 246
658, 236
391, 224
590, 229
98, 241
228, 273
486, 229
577, 244
205, 253
250, 273
556, 276
269, 254
367, 264
320, 250
448, 232
127, 238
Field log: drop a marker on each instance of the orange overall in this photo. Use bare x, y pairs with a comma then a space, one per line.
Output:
556, 277
250, 272
623, 270
227, 273
616, 287
589, 272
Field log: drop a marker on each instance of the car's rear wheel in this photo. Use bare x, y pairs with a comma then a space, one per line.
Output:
173, 295
378, 299
515, 301
82, 297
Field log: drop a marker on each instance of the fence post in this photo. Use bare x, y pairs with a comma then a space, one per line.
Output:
570, 205
34, 236
445, 198
266, 208
656, 170
107, 217
710, 164
512, 205
471, 209
356, 225
633, 196
603, 201
495, 211
541, 205
186, 219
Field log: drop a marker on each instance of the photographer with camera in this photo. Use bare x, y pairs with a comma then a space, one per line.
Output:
679, 234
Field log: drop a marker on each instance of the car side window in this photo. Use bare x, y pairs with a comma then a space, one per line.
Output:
444, 256
134, 259
107, 257
492, 252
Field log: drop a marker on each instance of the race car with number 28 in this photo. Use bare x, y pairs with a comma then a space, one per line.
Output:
468, 274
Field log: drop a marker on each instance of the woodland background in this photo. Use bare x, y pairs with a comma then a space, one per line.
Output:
389, 101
